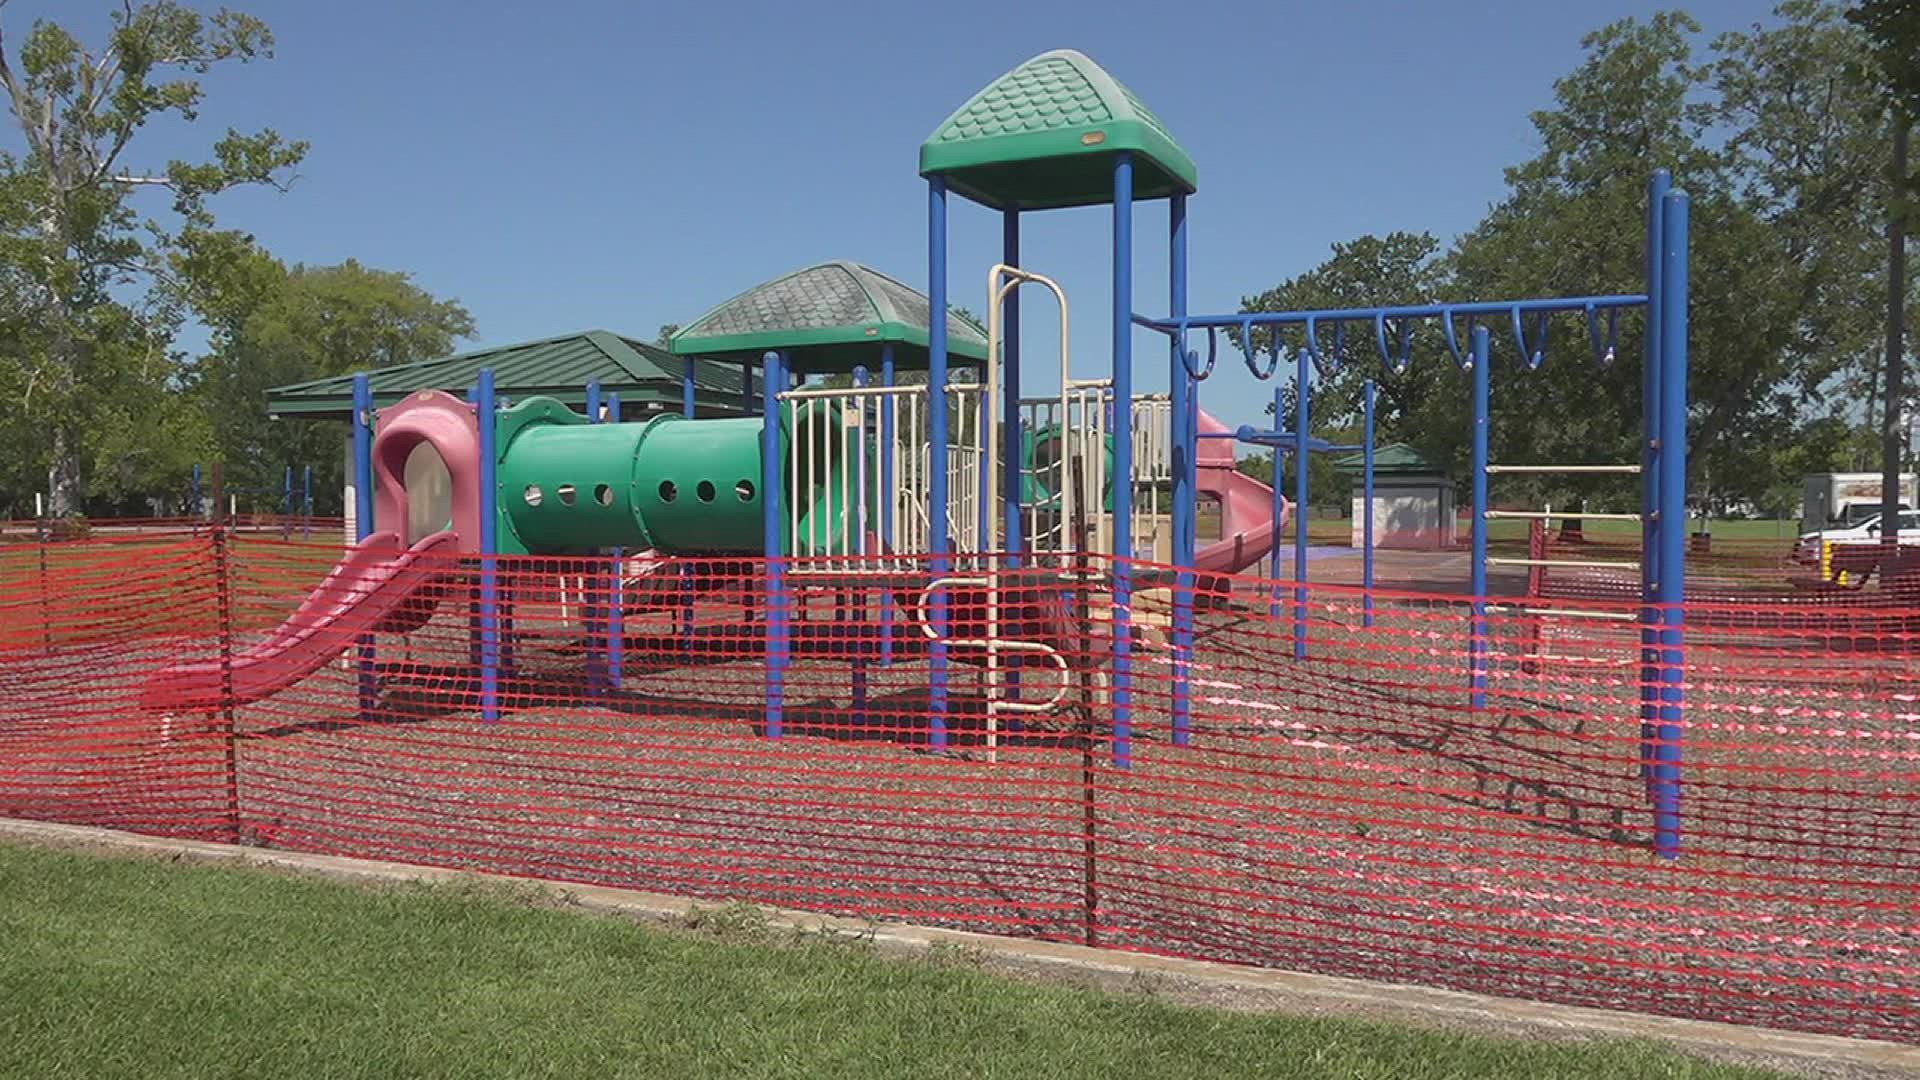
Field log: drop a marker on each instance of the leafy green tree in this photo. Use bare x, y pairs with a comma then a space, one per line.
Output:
1783, 153
82, 260
274, 325
1893, 29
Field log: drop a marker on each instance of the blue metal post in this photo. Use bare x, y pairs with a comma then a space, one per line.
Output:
616, 610
773, 374
591, 602
1482, 392
887, 451
858, 593
1182, 447
485, 413
1012, 542
687, 569
193, 486
1672, 522
306, 502
1366, 521
1650, 385
1279, 505
1302, 418
1010, 447
286, 503
362, 518
937, 454
1122, 459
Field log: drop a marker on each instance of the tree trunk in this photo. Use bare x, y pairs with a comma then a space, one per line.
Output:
1893, 432
66, 496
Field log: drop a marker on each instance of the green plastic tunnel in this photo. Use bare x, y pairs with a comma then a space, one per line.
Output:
678, 486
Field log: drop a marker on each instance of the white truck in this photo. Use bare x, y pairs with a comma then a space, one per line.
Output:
1830, 500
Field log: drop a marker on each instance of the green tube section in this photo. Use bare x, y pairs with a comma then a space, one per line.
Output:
678, 486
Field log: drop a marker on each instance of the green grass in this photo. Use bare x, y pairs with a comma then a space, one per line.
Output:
119, 967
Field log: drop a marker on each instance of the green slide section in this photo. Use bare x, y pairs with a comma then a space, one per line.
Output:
678, 486
1040, 460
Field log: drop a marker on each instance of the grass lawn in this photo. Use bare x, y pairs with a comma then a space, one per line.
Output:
122, 967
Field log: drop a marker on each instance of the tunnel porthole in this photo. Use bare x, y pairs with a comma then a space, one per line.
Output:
744, 490
533, 495
668, 492
603, 494
566, 493
705, 491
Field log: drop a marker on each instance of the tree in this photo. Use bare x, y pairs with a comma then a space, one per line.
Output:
1783, 154
665, 336
1893, 29
273, 325
84, 267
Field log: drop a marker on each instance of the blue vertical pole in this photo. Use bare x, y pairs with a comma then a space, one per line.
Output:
193, 487
687, 569
1650, 384
887, 451
484, 410
1279, 504
591, 602
1672, 522
616, 609
1302, 418
773, 374
286, 503
937, 454
1180, 391
362, 517
306, 502
863, 502
1010, 447
1366, 494
1482, 393
1122, 459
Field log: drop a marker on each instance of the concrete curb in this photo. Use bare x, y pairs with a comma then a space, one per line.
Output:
1188, 981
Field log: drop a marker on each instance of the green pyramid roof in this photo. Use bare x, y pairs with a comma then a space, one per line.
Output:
1044, 135
1393, 459
830, 317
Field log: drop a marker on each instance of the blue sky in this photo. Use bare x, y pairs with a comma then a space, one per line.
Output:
607, 163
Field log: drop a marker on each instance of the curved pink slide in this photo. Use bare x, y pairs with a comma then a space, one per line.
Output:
371, 583
1247, 529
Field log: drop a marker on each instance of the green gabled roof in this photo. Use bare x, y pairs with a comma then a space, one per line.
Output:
1044, 135
1393, 459
645, 376
830, 317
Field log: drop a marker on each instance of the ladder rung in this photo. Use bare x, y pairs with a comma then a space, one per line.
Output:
1543, 515
1571, 613
1563, 468
1598, 564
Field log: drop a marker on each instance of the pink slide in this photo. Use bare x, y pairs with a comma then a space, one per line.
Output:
1247, 529
368, 587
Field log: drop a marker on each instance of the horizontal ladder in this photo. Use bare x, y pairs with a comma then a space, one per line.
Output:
1563, 469
1545, 515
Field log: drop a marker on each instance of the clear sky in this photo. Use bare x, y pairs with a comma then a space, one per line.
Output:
621, 164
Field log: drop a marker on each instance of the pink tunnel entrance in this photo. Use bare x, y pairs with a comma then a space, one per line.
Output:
445, 423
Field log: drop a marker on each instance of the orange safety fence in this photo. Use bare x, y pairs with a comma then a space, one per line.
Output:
1336, 801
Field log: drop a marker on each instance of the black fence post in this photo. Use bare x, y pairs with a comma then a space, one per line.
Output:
223, 591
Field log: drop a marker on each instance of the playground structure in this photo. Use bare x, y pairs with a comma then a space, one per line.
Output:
868, 638
935, 510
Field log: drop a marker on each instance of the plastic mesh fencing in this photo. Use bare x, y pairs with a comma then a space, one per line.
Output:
1398, 786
